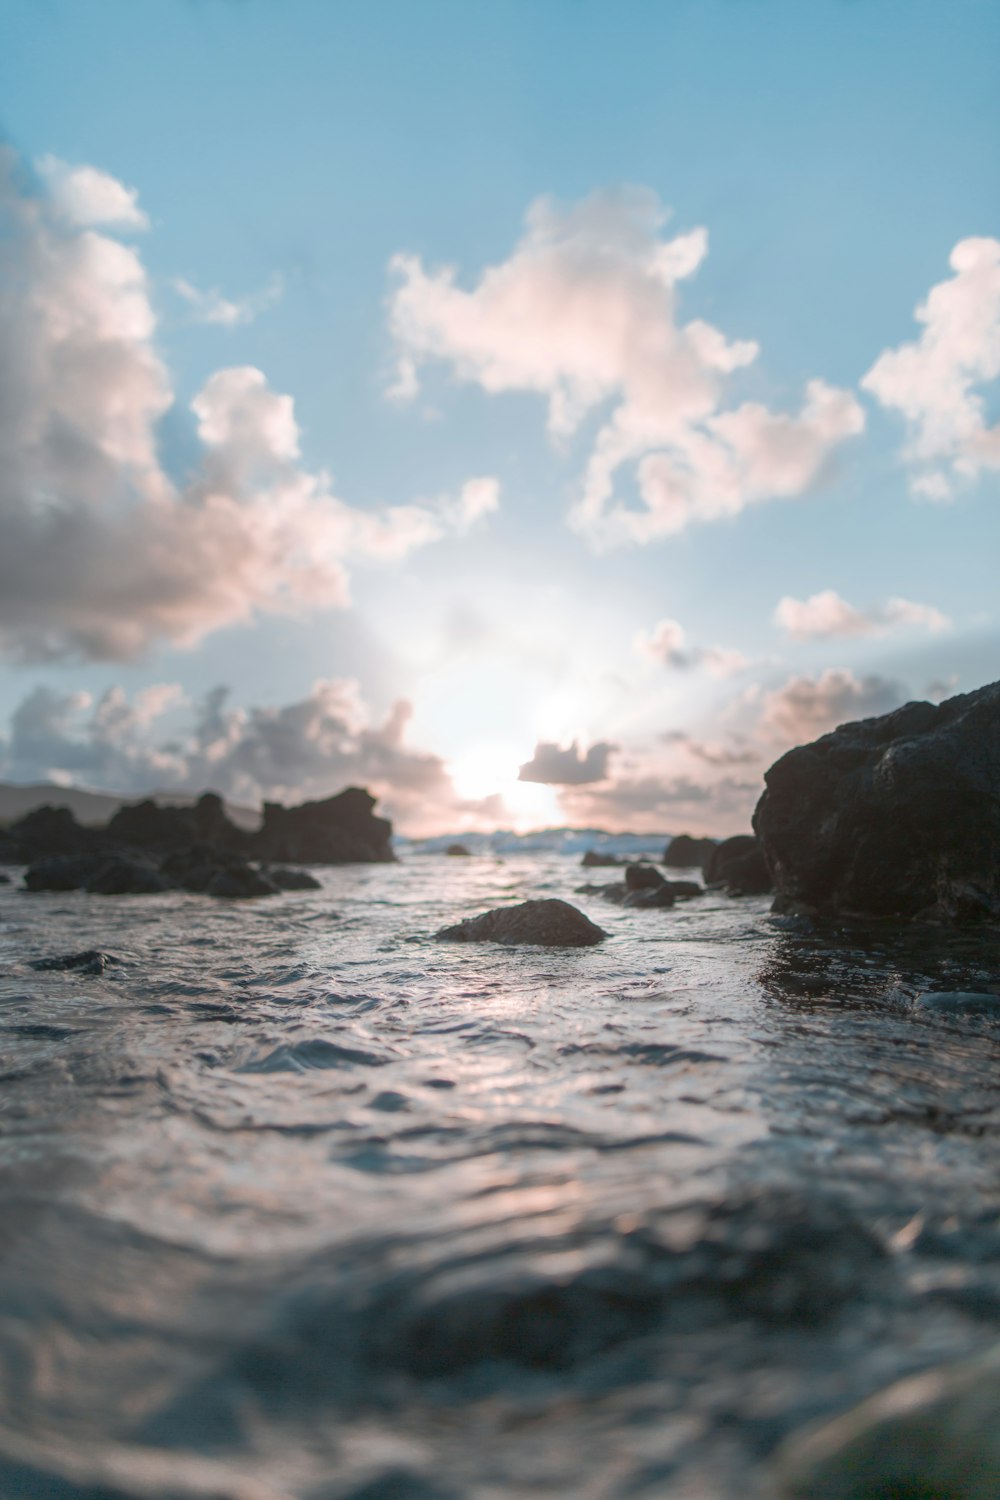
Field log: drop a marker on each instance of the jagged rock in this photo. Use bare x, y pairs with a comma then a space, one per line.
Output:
339, 830
290, 880
148, 825
897, 816
91, 962
934, 1436
685, 852
49, 831
550, 923
457, 851
738, 864
594, 860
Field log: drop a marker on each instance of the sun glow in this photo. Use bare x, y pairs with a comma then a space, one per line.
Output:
490, 770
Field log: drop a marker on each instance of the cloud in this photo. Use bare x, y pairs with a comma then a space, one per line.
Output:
826, 614
934, 382
652, 801
85, 196
668, 644
583, 313
312, 747
554, 765
805, 707
212, 307
101, 552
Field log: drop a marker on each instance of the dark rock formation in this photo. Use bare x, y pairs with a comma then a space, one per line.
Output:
290, 880
897, 816
639, 877
685, 852
92, 962
339, 830
549, 924
650, 896
102, 874
50, 830
594, 860
457, 851
4, 879
150, 825
207, 870
738, 864
10, 854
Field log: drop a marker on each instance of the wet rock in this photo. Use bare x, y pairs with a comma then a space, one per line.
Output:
122, 876
339, 830
63, 872
650, 896
457, 851
91, 962
897, 816
640, 877
960, 1002
550, 924
4, 879
594, 860
204, 869
239, 884
685, 852
932, 1437
290, 880
738, 865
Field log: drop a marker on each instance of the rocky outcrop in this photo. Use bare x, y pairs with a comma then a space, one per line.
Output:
685, 852
152, 825
51, 830
101, 873
202, 869
593, 860
339, 830
897, 816
207, 870
290, 880
738, 865
548, 924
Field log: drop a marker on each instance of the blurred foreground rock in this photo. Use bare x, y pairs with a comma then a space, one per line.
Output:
685, 852
738, 865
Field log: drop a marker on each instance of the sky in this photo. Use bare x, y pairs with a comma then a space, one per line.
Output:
541, 413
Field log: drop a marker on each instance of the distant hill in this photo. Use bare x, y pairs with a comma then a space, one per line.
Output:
97, 807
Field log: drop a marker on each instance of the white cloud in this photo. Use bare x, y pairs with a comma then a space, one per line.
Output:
805, 707
555, 765
668, 644
935, 381
826, 614
101, 553
212, 307
85, 196
583, 313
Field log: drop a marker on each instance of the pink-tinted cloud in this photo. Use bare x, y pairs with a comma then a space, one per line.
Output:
826, 614
556, 765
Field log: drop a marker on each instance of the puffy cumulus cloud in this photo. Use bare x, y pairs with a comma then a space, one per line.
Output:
935, 381
100, 551
805, 707
213, 308
648, 800
86, 196
555, 765
309, 748
584, 313
826, 614
668, 644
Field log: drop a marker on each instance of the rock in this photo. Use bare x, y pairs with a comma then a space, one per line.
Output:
897, 816
63, 872
960, 1002
683, 890
101, 874
51, 830
148, 825
10, 853
4, 879
650, 896
206, 870
457, 851
549, 924
738, 864
290, 880
91, 962
593, 860
685, 852
640, 877
339, 830
932, 1437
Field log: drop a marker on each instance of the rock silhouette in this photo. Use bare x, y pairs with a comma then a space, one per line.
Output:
685, 852
739, 866
549, 924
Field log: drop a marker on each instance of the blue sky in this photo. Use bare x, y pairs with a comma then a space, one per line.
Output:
283, 155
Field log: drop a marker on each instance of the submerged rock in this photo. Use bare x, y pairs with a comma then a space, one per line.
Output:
897, 816
739, 866
685, 852
290, 880
550, 924
933, 1437
91, 962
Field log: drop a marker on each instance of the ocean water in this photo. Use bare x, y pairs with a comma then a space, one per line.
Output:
298, 1204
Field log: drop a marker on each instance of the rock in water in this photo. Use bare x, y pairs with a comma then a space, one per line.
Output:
933, 1437
593, 860
738, 864
290, 880
685, 852
339, 830
92, 962
549, 924
457, 851
897, 816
